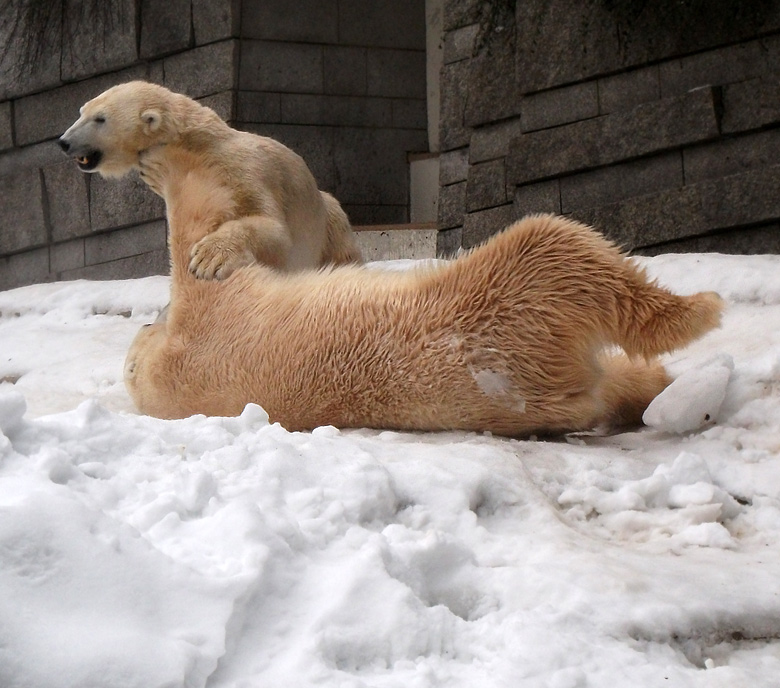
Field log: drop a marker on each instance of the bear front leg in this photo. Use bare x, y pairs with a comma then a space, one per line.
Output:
241, 242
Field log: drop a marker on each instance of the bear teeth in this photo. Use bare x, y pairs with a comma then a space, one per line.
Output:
83, 159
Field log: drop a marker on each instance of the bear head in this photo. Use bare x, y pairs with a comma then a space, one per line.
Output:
121, 123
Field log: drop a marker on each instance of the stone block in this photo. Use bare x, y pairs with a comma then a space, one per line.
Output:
48, 114
166, 27
224, 104
395, 73
742, 241
254, 106
492, 140
36, 155
30, 267
283, 67
66, 256
628, 89
396, 243
559, 106
336, 110
647, 128
22, 211
388, 23
203, 71
481, 225
6, 131
712, 68
459, 13
29, 58
454, 166
344, 70
565, 42
154, 262
741, 199
121, 202
311, 21
121, 243
449, 242
409, 113
731, 155
751, 104
452, 205
454, 92
112, 43
486, 186
459, 43
372, 165
542, 197
617, 182
314, 144
214, 20
492, 88
67, 197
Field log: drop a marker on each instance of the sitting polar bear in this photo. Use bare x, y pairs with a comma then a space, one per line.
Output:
512, 337
278, 216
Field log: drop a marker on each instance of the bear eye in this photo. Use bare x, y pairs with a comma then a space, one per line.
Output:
100, 119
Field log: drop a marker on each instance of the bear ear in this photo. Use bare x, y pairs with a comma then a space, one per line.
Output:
152, 119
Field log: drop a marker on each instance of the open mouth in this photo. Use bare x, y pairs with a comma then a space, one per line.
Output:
89, 161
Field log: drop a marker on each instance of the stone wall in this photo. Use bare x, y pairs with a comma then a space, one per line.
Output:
657, 122
341, 83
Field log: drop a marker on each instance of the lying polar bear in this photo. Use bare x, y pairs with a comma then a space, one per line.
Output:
278, 217
512, 337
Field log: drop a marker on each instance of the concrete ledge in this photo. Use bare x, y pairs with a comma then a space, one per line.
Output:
392, 242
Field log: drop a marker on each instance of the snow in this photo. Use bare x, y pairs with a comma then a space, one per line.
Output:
227, 552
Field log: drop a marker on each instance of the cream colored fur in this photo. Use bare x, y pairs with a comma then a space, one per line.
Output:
513, 337
278, 216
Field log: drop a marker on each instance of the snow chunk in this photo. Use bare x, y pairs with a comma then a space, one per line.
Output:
693, 399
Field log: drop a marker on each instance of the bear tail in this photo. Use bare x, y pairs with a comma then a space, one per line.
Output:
341, 246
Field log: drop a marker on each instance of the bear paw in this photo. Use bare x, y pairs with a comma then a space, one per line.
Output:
215, 257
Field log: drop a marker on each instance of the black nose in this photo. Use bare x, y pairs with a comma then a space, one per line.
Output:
64, 145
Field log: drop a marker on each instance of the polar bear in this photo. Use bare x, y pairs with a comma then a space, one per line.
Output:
279, 217
513, 337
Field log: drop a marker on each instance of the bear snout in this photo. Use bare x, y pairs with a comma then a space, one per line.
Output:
64, 143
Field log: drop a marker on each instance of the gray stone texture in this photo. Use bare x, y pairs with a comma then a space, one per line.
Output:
203, 71
6, 131
482, 224
29, 58
224, 104
99, 37
744, 241
409, 113
258, 107
384, 23
66, 256
142, 265
459, 43
625, 180
460, 13
645, 129
454, 91
492, 87
214, 20
67, 195
486, 186
542, 197
285, 67
21, 269
731, 156
452, 205
751, 104
131, 241
564, 42
336, 110
628, 89
121, 202
395, 73
492, 140
559, 106
278, 20
48, 114
344, 70
22, 212
453, 166
376, 214
166, 27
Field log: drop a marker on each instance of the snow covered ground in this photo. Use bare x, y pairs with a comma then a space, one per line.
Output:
222, 552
